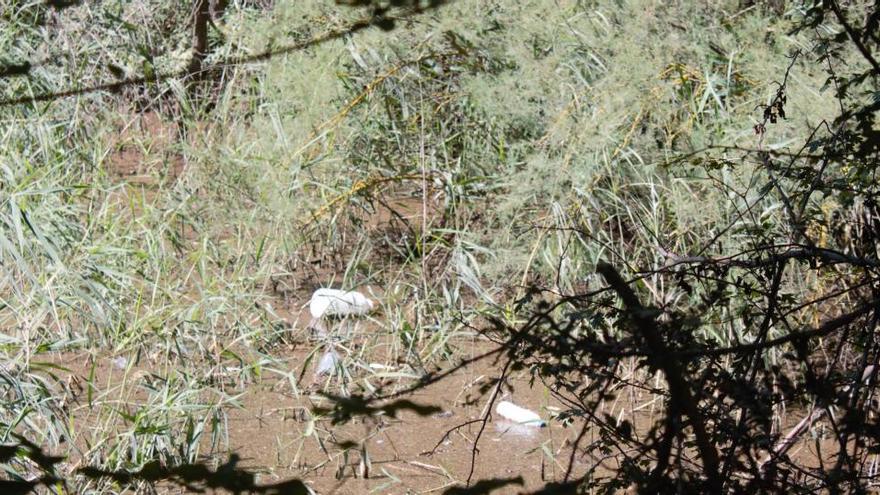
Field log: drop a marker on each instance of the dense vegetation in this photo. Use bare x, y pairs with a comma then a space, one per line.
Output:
666, 214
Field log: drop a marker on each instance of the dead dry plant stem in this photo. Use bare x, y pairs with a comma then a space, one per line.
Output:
265, 56
424, 232
488, 412
680, 394
853, 36
434, 378
825, 329
791, 437
201, 14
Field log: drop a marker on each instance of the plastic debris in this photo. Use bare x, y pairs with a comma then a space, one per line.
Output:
335, 302
519, 415
328, 363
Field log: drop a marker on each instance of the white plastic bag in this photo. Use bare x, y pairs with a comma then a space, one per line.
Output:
327, 365
335, 302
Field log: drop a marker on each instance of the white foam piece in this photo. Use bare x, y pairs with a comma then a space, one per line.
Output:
519, 415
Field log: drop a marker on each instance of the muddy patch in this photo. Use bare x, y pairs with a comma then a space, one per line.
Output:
143, 152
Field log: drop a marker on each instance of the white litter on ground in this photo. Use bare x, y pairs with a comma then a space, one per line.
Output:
519, 415
328, 363
335, 302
